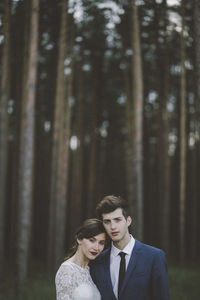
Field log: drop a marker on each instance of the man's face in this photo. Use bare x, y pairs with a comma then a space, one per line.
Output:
116, 225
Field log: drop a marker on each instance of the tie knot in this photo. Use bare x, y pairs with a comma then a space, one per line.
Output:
122, 254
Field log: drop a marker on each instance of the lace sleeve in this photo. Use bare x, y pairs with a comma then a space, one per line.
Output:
65, 282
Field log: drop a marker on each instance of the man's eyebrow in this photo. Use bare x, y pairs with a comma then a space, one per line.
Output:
116, 218
106, 220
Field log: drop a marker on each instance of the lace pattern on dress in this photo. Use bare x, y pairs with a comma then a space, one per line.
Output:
75, 283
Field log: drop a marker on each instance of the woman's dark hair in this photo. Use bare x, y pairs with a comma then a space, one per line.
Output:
110, 203
88, 229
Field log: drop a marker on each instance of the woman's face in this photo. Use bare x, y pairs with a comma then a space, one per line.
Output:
93, 246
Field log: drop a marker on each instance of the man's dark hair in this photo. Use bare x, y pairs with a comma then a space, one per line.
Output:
110, 203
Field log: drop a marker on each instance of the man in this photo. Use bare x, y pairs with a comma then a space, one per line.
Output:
139, 272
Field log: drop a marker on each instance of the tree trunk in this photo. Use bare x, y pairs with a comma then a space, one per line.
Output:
59, 168
4, 97
77, 164
128, 140
27, 155
97, 61
195, 151
163, 133
182, 178
22, 36
63, 167
92, 161
137, 139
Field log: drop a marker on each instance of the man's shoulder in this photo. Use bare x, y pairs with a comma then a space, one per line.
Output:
149, 249
101, 257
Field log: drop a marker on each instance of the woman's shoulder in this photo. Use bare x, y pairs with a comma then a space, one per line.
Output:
70, 268
66, 280
66, 265
66, 268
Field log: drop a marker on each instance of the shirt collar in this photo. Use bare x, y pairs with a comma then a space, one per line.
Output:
127, 249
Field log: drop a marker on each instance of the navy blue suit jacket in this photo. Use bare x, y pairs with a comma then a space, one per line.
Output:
145, 279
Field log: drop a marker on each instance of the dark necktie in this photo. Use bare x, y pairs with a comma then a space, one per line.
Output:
122, 270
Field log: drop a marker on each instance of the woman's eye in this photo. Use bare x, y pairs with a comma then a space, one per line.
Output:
102, 243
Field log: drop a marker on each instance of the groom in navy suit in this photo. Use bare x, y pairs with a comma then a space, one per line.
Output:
129, 269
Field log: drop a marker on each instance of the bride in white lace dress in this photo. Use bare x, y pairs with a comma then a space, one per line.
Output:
73, 280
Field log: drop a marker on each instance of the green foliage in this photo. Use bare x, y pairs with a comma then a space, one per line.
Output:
38, 288
183, 285
41, 290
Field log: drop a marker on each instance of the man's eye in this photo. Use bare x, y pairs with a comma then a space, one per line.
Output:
106, 222
118, 220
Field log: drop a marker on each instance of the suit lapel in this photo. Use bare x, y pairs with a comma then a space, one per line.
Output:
107, 278
132, 264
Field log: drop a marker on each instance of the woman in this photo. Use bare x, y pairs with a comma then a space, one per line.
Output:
73, 280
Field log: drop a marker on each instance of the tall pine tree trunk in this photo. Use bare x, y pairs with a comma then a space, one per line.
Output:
97, 61
128, 140
27, 155
4, 97
22, 37
59, 167
137, 138
195, 151
182, 178
63, 162
77, 169
163, 133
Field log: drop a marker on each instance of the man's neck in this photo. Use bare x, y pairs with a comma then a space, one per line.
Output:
122, 243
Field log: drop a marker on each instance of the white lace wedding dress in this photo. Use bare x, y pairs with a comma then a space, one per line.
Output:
75, 283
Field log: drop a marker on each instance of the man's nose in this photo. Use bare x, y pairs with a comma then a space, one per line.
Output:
112, 224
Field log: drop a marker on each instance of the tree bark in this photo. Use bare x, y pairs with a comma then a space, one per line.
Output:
27, 155
137, 138
4, 97
59, 168
195, 151
77, 163
63, 167
97, 62
182, 174
163, 163
21, 33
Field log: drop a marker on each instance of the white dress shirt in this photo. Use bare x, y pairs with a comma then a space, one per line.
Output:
115, 262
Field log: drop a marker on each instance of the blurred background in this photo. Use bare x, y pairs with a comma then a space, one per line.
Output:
98, 97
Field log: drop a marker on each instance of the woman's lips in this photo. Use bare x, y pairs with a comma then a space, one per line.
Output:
94, 253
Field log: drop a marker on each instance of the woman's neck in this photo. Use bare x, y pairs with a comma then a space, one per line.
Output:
80, 259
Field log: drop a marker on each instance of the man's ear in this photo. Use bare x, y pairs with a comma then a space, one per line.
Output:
129, 220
